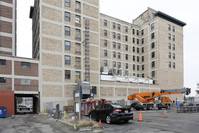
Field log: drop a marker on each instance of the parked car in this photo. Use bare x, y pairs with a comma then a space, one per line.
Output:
110, 112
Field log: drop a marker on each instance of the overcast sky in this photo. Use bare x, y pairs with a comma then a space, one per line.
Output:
127, 10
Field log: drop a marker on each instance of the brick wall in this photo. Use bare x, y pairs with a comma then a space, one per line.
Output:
5, 42
7, 1
32, 87
5, 11
32, 71
6, 69
5, 27
6, 86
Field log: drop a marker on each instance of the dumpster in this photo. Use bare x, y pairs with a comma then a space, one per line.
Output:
3, 112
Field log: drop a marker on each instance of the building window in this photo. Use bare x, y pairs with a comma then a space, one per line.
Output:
142, 58
169, 45
78, 75
118, 45
126, 56
78, 33
67, 31
173, 28
67, 45
133, 31
174, 47
138, 41
2, 80
173, 37
77, 61
94, 89
118, 26
114, 64
119, 55
114, 54
105, 52
133, 49
105, 43
67, 16
113, 34
174, 56
67, 74
126, 29
67, 60
118, 36
133, 40
142, 67
126, 38
138, 67
133, 57
137, 32
152, 26
174, 65
138, 50
114, 45
138, 59
142, 40
142, 32
77, 19
67, 3
143, 75
113, 25
152, 54
78, 5
119, 65
105, 32
25, 64
153, 35
2, 62
133, 66
127, 66
169, 54
152, 45
138, 75
169, 27
169, 64
105, 63
105, 22
126, 47
142, 49
133, 74
153, 64
153, 74
169, 36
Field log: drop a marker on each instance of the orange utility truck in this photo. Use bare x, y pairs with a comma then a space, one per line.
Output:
146, 100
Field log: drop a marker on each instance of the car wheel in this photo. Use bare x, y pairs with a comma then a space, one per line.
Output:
108, 119
125, 121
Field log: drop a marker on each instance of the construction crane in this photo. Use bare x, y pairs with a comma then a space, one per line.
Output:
146, 99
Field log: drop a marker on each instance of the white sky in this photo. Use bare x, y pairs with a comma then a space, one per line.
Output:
127, 10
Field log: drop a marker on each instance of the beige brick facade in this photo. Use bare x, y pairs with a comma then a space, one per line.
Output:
137, 52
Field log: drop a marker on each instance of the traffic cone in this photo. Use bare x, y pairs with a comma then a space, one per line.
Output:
100, 123
140, 117
165, 113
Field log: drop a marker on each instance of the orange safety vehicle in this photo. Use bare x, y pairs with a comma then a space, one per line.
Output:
146, 100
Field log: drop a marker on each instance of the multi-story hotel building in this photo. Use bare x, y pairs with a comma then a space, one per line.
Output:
124, 58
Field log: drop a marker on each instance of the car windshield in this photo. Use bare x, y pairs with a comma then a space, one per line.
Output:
119, 106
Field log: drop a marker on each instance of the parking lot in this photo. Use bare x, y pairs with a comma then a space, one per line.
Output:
154, 121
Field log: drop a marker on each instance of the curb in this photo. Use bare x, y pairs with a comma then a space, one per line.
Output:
70, 124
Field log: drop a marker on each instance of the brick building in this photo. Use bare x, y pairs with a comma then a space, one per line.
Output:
19, 77
124, 58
